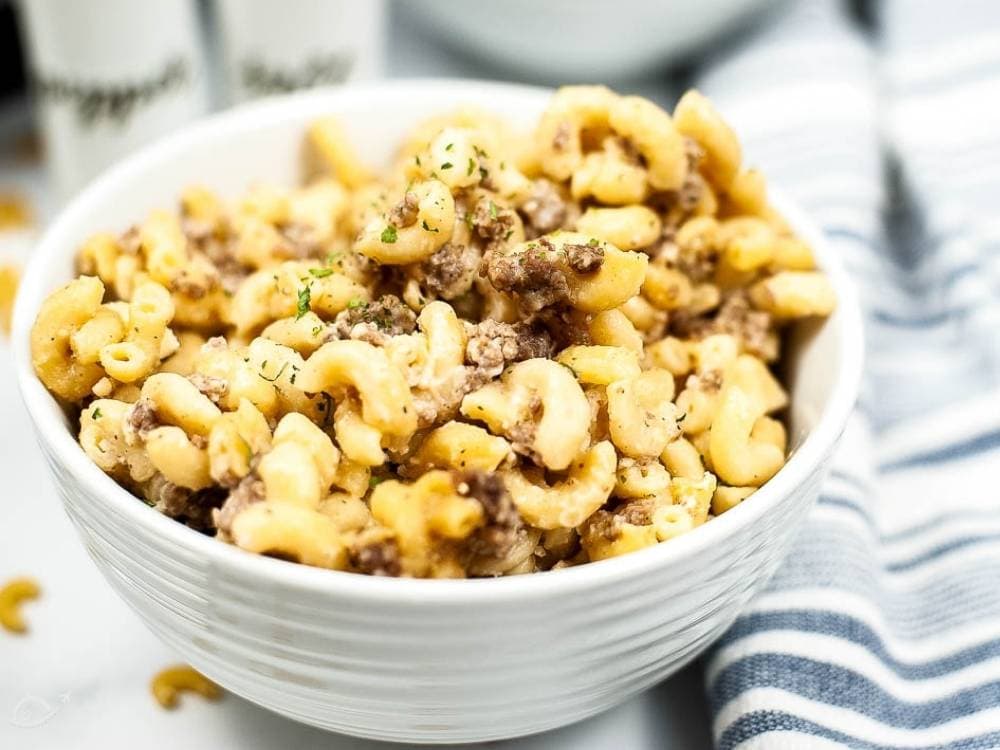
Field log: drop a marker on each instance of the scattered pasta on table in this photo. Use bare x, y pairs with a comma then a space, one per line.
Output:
12, 595
169, 683
510, 352
10, 276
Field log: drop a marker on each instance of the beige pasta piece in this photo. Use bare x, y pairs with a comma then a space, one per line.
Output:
541, 387
600, 365
291, 532
301, 465
571, 111
694, 495
727, 498
748, 192
613, 328
164, 247
682, 459
233, 442
360, 442
149, 313
610, 176
106, 327
642, 477
587, 486
335, 154
667, 288
670, 521
641, 414
9, 278
654, 135
102, 437
292, 289
305, 334
62, 314
794, 294
12, 595
385, 397
696, 118
457, 445
749, 242
423, 518
670, 354
429, 228
177, 401
177, 458
628, 228
608, 535
737, 457
169, 683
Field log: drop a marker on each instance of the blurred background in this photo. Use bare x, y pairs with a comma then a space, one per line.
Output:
83, 83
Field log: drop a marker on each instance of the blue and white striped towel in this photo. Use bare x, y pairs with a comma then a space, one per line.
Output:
882, 629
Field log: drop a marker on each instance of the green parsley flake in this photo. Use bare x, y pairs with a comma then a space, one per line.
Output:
493, 210
389, 234
284, 366
374, 482
472, 167
592, 242
426, 227
96, 413
320, 273
355, 303
447, 165
449, 147
316, 330
305, 297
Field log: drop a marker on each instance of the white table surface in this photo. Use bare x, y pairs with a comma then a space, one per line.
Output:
80, 678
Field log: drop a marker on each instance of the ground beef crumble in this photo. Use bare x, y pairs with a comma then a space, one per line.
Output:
374, 321
493, 345
450, 272
536, 276
142, 419
404, 213
566, 326
492, 222
736, 317
300, 242
690, 192
250, 490
377, 558
545, 210
584, 258
503, 523
561, 138
637, 512
214, 388
192, 508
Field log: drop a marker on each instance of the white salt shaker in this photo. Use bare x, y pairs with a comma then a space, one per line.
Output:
109, 76
276, 47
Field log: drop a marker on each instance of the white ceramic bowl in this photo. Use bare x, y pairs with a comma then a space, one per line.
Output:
394, 659
578, 40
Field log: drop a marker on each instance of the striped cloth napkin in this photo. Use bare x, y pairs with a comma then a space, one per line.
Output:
882, 628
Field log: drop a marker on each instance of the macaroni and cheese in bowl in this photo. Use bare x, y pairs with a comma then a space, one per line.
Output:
438, 330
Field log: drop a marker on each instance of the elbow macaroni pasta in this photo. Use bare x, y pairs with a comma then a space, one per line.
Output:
504, 354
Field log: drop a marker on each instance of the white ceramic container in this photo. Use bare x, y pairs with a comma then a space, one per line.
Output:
579, 40
394, 659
